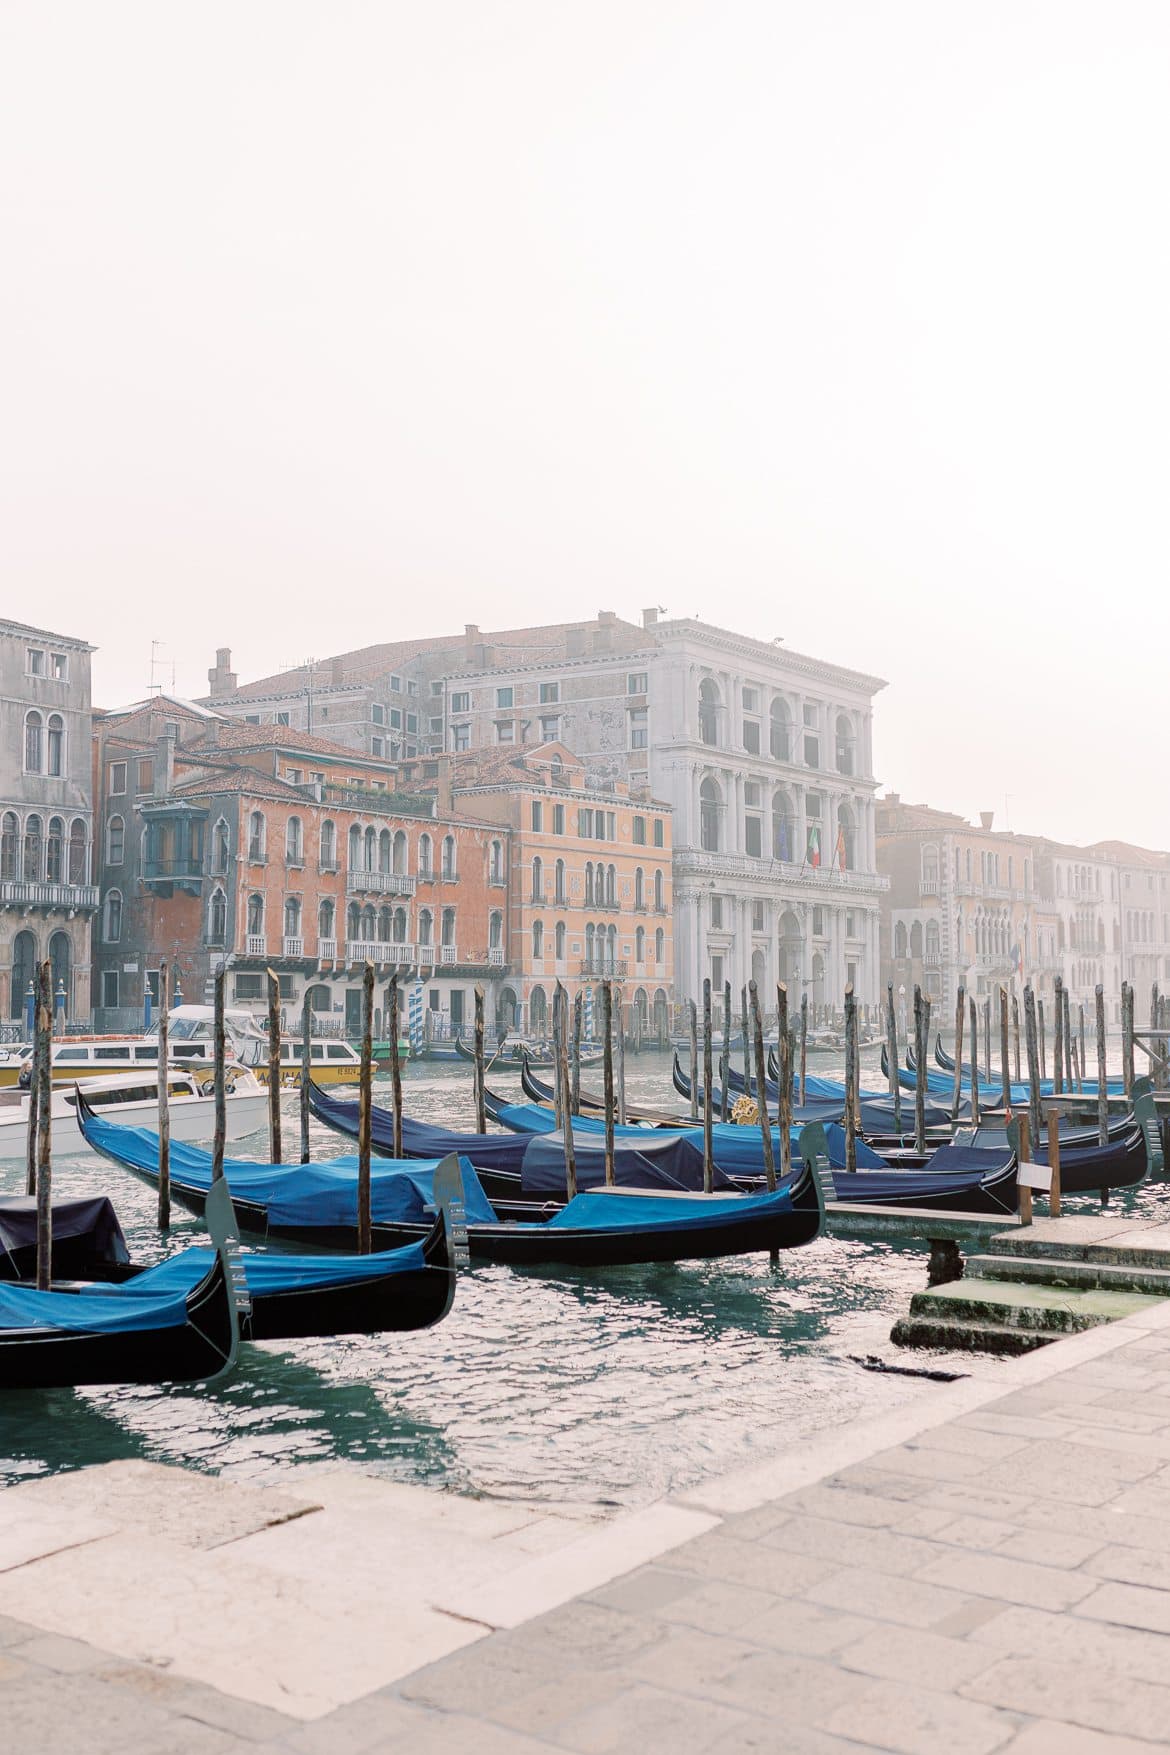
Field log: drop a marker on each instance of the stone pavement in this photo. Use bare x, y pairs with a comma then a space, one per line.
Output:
990, 1572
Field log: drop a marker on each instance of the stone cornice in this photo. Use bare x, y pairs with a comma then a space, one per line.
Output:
765, 652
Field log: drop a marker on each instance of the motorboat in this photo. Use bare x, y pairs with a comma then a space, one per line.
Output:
133, 1098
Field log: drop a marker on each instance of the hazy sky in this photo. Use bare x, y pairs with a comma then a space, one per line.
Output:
327, 324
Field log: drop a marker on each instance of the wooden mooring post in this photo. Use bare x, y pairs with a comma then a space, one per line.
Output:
693, 1021
747, 1041
960, 1021
1102, 1079
1127, 1070
708, 1156
365, 1113
395, 1063
164, 1097
306, 1073
920, 1072
44, 1098
803, 1045
784, 1084
607, 1069
1081, 1041
274, 1140
850, 1079
1030, 1043
757, 1026
974, 1016
1058, 1037
725, 1060
1068, 1043
560, 1035
1005, 1069
987, 1041
620, 1011
892, 1056
480, 1100
1016, 1038
1042, 1041
218, 1049
575, 1069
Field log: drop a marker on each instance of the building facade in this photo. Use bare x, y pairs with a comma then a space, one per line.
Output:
47, 893
590, 884
250, 848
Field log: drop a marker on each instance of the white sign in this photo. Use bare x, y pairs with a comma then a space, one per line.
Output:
129, 968
1037, 1176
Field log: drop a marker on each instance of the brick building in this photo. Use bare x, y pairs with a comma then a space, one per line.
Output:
257, 847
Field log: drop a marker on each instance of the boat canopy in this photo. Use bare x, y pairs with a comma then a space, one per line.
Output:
104, 1312
662, 1160
268, 1273
90, 1223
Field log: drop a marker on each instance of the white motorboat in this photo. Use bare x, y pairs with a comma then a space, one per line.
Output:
132, 1099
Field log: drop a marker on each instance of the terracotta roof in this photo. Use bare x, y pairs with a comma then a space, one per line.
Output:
235, 735
236, 780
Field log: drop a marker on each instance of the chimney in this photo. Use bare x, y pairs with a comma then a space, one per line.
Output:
986, 818
606, 618
574, 642
650, 617
164, 765
470, 630
336, 671
222, 678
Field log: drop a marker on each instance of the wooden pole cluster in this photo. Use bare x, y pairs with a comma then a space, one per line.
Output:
164, 1097
725, 1061
1058, 1038
44, 1099
1102, 1080
708, 1155
784, 1104
1005, 1069
892, 1056
274, 1140
478, 1077
960, 1022
607, 1065
850, 1079
693, 1018
306, 1073
219, 1136
365, 1113
762, 1102
395, 1063
974, 1014
1030, 1042
1127, 1068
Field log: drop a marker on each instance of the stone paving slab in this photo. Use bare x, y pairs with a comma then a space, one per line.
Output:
989, 1572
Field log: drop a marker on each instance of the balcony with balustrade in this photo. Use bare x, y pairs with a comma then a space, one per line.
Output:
379, 883
379, 951
27, 893
326, 950
604, 968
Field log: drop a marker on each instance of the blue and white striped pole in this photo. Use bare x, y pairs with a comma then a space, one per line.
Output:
415, 1018
30, 1011
588, 1018
147, 1008
60, 1000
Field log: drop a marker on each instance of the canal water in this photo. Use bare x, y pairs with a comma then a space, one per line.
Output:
613, 1386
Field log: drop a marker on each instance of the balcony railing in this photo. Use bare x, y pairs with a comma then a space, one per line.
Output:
496, 955
605, 968
168, 870
326, 949
448, 954
37, 895
378, 950
294, 947
256, 944
379, 883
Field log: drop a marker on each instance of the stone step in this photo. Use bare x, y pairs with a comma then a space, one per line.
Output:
968, 1337
1080, 1275
1007, 1304
1110, 1242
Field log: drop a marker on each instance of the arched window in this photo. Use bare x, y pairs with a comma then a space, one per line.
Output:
56, 745
400, 857
845, 744
659, 893
448, 926
899, 938
780, 730
844, 854
559, 936
659, 945
916, 940
710, 809
292, 920
709, 704
449, 866
326, 916
33, 868
537, 879
537, 1011
589, 883
930, 865
783, 827
639, 888
537, 940
559, 881
257, 836
9, 844
370, 849
495, 930
369, 930
217, 918
496, 862
611, 886
34, 742
220, 848
112, 917
589, 945
640, 944
328, 845
611, 948
24, 968
426, 857
355, 848
385, 924
398, 932
353, 923
294, 842
385, 851
61, 957
425, 927
55, 851
78, 851
255, 915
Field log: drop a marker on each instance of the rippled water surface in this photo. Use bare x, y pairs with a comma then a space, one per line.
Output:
614, 1385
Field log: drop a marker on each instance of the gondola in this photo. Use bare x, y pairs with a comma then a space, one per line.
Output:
826, 1102
591, 1103
1115, 1086
291, 1295
655, 1220
519, 1053
1073, 1133
63, 1340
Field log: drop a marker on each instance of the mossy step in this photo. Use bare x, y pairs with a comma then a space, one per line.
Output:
1009, 1304
969, 1337
1080, 1275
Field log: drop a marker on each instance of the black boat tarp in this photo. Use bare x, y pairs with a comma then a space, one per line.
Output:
87, 1237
